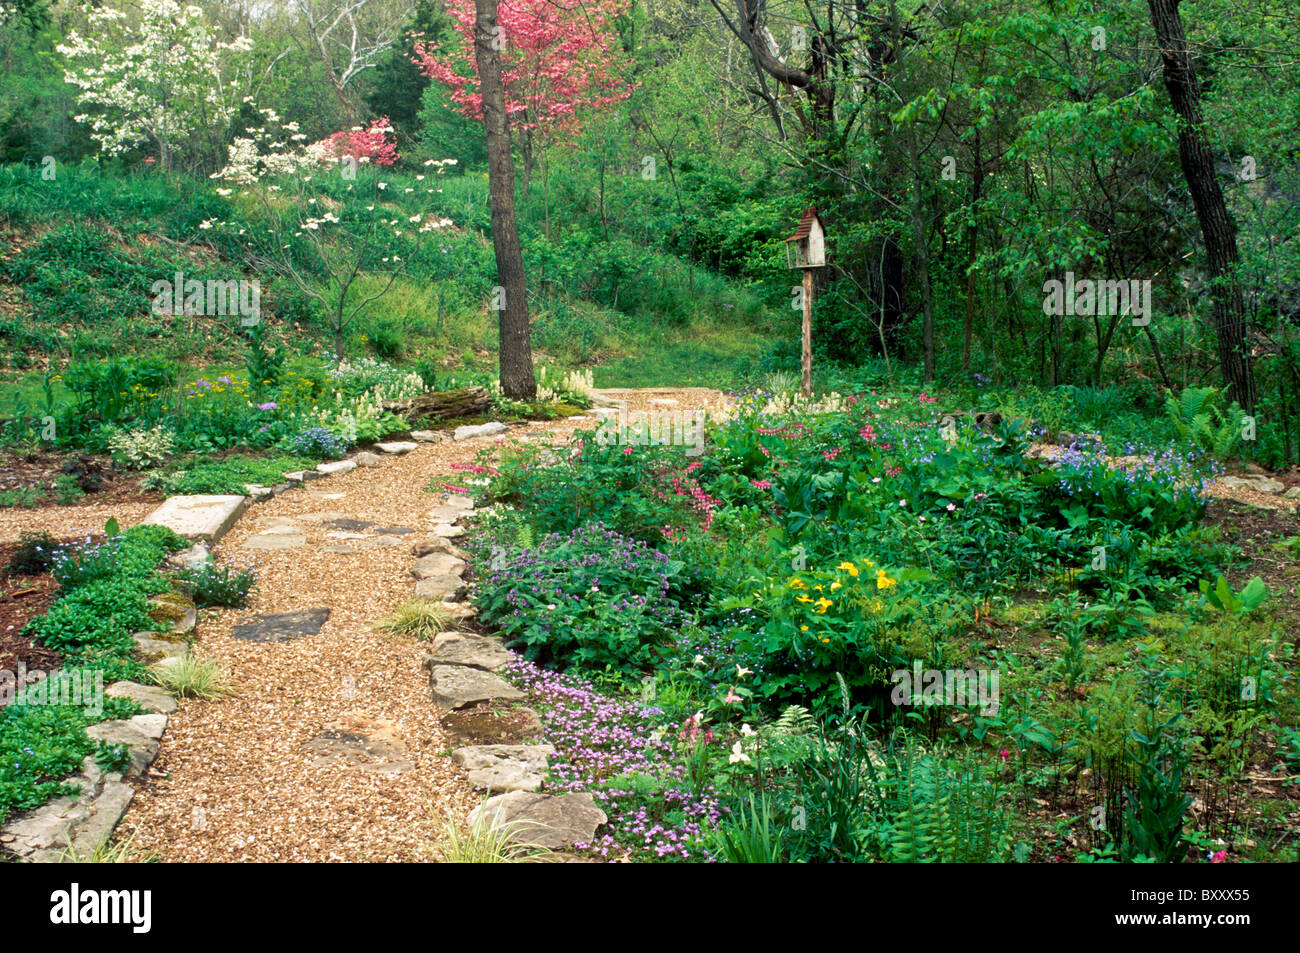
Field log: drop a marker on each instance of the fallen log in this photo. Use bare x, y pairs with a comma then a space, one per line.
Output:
443, 404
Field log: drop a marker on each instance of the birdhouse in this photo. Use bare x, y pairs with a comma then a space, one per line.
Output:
806, 248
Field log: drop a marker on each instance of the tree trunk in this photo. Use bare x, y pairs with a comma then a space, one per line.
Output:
517, 381
1217, 226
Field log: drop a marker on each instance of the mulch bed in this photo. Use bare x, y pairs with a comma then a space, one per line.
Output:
22, 598
96, 477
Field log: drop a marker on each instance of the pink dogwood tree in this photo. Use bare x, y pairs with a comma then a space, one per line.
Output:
559, 59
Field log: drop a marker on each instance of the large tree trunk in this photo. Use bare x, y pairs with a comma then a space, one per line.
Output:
517, 381
1217, 226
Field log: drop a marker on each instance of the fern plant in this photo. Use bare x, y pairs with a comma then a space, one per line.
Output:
943, 813
1198, 418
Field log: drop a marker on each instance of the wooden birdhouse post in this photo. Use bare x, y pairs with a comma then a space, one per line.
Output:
806, 249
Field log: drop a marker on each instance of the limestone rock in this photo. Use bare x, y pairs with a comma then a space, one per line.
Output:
469, 431
445, 588
439, 545
152, 648
205, 518
1260, 484
438, 564
337, 466
501, 768
396, 447
175, 610
475, 651
543, 820
455, 686
146, 696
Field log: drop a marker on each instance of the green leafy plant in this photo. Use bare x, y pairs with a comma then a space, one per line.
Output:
1197, 416
216, 585
751, 835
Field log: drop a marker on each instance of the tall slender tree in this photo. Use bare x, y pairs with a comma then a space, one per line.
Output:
516, 353
1217, 226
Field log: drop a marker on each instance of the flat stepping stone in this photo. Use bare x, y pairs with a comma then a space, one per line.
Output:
278, 538
393, 530
446, 531
439, 545
367, 459
153, 649
446, 588
429, 436
469, 432
282, 626
341, 548
149, 697
355, 740
397, 447
140, 734
258, 493
460, 502
542, 820
1260, 484
438, 564
501, 768
491, 724
349, 524
322, 495
474, 651
205, 518
448, 514
455, 686
337, 466
302, 476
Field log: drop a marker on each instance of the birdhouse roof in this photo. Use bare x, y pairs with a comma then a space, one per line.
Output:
805, 224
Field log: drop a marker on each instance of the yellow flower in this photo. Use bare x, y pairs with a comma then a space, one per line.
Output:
836, 585
797, 584
819, 588
803, 628
825, 639
877, 605
823, 604
883, 581
849, 568
804, 599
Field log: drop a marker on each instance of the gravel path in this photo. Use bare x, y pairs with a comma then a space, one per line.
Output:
236, 780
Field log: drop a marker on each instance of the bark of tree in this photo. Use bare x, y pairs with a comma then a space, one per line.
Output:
1217, 227
441, 404
516, 355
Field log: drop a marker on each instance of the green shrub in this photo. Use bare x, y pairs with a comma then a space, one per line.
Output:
592, 597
